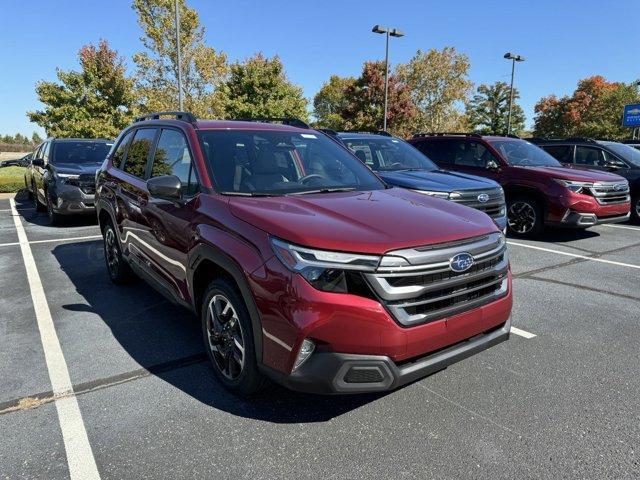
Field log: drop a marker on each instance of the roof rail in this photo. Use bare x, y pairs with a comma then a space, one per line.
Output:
292, 122
185, 116
440, 134
328, 131
580, 139
511, 135
384, 133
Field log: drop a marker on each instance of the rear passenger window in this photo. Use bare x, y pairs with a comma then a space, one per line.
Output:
562, 153
589, 156
118, 155
440, 151
172, 157
136, 162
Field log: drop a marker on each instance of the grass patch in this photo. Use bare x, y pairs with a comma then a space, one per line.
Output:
11, 179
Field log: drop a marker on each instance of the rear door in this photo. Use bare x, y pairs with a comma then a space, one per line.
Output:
170, 222
462, 155
38, 172
132, 195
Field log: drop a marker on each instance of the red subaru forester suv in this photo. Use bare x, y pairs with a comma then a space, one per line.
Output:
303, 266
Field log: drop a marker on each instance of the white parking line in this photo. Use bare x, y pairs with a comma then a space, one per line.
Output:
21, 209
574, 255
624, 227
53, 240
522, 333
82, 464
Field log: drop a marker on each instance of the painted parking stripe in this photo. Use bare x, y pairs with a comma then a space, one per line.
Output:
54, 240
522, 333
82, 464
624, 227
20, 209
575, 255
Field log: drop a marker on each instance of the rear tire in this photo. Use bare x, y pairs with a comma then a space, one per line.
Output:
117, 267
228, 339
36, 201
524, 217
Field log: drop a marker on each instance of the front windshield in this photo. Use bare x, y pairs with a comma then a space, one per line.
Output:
627, 152
520, 153
80, 153
275, 162
388, 154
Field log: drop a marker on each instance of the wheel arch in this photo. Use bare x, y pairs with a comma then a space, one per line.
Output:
514, 191
206, 263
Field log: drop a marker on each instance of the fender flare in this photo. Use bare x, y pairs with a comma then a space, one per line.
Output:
208, 252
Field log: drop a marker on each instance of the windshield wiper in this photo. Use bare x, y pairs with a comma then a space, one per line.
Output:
247, 194
324, 190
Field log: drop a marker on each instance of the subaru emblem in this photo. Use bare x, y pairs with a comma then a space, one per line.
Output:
617, 187
461, 262
483, 197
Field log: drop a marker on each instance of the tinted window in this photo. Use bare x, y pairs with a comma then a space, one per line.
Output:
79, 153
628, 153
562, 153
277, 162
388, 154
440, 151
472, 154
172, 157
118, 155
589, 156
136, 162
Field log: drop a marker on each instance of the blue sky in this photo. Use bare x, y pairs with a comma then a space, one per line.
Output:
563, 41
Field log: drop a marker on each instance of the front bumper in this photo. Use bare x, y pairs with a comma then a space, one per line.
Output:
71, 200
340, 373
585, 220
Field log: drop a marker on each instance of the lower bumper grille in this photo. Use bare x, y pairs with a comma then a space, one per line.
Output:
428, 289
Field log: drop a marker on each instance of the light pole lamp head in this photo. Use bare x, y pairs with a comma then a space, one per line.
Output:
396, 33
514, 57
379, 29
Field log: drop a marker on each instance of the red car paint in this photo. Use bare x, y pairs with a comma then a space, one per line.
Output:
290, 309
538, 182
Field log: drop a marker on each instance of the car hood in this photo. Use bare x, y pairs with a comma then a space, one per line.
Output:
76, 168
364, 222
573, 174
437, 180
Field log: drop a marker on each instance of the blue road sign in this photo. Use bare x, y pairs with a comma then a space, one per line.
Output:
631, 115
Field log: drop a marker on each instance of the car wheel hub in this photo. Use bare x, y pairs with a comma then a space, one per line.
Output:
111, 250
522, 217
226, 338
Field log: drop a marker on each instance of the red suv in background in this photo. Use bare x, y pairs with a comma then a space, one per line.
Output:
539, 190
303, 266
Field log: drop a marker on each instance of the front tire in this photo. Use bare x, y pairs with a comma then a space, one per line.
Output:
36, 201
117, 267
635, 208
524, 217
228, 338
54, 217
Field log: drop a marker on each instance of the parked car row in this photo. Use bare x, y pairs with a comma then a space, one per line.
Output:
329, 262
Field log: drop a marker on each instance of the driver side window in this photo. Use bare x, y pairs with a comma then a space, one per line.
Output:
473, 154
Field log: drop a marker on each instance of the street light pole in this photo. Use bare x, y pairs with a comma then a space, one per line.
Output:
179, 56
514, 58
394, 32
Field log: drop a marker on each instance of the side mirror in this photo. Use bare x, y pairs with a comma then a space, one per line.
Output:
492, 165
37, 162
168, 187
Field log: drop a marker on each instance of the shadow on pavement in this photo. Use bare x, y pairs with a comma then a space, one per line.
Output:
155, 333
25, 206
560, 235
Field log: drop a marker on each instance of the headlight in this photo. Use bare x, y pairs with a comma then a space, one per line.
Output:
444, 195
325, 270
68, 178
576, 187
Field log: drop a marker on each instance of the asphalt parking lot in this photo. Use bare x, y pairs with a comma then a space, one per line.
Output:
559, 400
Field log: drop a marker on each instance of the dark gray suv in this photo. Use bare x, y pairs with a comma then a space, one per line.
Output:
61, 175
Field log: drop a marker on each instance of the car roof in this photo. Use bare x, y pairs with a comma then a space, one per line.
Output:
365, 135
95, 140
245, 125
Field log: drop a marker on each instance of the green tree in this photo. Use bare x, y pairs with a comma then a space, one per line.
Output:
439, 86
35, 138
331, 102
157, 68
488, 110
593, 110
94, 102
258, 87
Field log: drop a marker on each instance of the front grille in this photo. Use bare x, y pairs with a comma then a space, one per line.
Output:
610, 193
494, 206
426, 288
87, 183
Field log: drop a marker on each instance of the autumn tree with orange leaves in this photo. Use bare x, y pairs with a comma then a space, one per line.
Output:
593, 110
